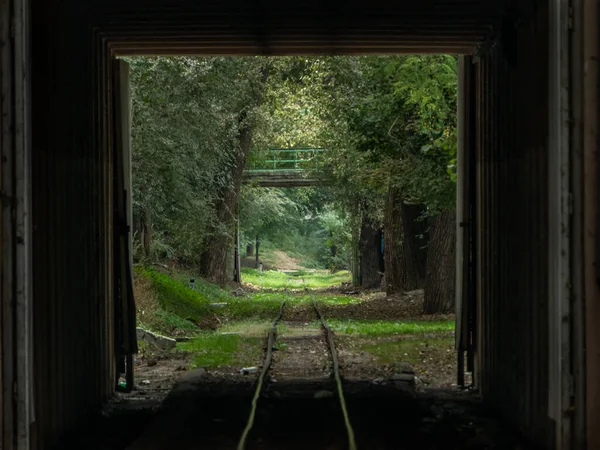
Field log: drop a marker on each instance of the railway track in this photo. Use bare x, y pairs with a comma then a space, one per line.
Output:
268, 358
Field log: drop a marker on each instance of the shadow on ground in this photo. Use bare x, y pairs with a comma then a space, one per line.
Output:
205, 412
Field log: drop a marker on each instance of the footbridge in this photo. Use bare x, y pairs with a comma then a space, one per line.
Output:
287, 167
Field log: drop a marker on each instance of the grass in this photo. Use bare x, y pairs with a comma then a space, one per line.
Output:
280, 280
409, 350
385, 327
175, 297
176, 306
173, 308
248, 328
302, 298
213, 350
157, 312
167, 305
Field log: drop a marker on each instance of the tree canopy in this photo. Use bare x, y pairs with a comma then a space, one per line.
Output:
387, 123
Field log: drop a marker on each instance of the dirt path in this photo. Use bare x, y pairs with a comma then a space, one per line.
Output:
283, 261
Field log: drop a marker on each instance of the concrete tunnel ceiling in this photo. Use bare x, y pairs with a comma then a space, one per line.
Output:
237, 27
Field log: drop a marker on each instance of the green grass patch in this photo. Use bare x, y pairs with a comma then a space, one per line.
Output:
252, 306
280, 280
176, 298
213, 350
169, 321
209, 291
248, 328
278, 297
387, 327
177, 307
409, 350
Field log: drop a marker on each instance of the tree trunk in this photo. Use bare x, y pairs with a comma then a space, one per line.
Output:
333, 248
257, 253
369, 255
381, 262
415, 240
355, 255
441, 265
146, 226
401, 267
213, 263
249, 250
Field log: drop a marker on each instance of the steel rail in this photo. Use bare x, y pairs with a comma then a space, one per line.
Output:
338, 378
267, 365
261, 378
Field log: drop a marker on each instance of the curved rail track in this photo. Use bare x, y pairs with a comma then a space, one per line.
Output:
329, 337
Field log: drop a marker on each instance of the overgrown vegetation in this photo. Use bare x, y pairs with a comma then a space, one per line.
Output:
294, 280
217, 350
381, 327
167, 304
387, 125
232, 332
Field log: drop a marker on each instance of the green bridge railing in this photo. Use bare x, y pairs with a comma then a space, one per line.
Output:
288, 160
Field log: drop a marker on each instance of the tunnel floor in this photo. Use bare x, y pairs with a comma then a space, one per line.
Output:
204, 411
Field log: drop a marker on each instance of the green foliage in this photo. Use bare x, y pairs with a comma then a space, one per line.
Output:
264, 210
400, 129
385, 121
187, 114
302, 222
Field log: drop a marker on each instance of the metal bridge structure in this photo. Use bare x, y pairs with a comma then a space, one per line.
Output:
287, 167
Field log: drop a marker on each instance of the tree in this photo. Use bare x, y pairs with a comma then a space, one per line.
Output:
178, 146
428, 85
398, 138
213, 263
400, 268
369, 256
441, 269
388, 124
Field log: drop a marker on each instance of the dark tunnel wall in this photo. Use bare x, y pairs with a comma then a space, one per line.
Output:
72, 171
72, 229
511, 144
73, 208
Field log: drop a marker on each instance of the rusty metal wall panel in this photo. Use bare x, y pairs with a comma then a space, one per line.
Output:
512, 226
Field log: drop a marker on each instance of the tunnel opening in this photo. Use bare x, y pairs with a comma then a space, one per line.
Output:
527, 288
223, 335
